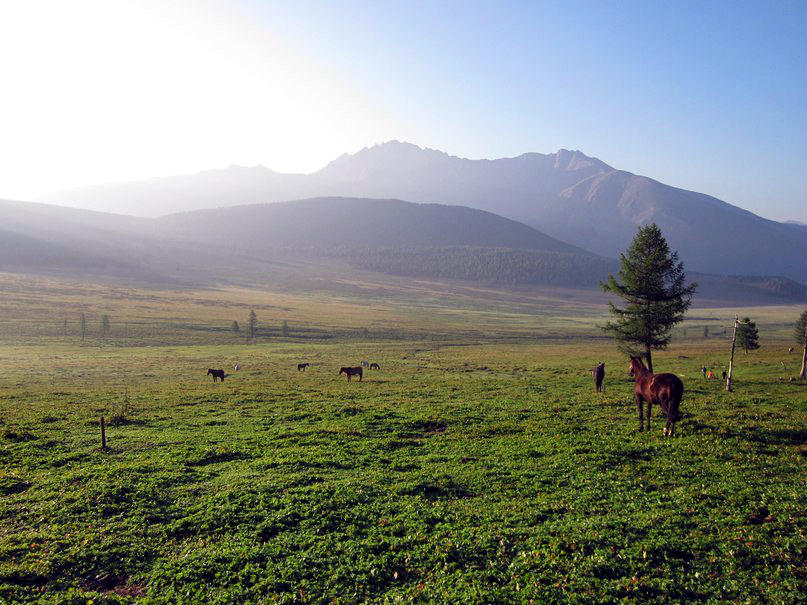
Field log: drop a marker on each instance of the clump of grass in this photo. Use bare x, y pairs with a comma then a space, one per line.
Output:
122, 413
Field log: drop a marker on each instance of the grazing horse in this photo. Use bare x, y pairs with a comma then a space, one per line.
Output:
216, 374
663, 389
375, 366
302, 366
357, 371
365, 363
599, 375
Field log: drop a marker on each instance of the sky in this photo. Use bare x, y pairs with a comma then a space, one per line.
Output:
707, 95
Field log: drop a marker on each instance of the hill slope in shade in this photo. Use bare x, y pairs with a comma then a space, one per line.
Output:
318, 244
330, 222
568, 195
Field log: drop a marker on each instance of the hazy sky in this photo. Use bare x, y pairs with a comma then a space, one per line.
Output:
705, 95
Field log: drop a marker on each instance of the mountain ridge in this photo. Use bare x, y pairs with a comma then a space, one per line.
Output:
567, 195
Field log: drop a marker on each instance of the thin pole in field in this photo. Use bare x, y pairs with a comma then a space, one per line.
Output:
731, 359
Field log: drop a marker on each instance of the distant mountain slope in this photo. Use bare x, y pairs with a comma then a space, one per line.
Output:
568, 195
330, 222
46, 234
319, 239
46, 239
709, 234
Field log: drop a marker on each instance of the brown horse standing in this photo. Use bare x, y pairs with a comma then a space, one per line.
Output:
357, 371
663, 389
599, 376
216, 374
302, 366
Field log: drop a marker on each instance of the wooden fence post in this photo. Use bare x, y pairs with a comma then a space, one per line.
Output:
731, 359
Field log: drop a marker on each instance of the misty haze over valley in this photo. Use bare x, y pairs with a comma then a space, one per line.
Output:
534, 220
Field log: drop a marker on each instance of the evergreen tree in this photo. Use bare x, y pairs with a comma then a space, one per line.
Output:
235, 327
706, 331
653, 285
252, 325
284, 329
747, 335
800, 334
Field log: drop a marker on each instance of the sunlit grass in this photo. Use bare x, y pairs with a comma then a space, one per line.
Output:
479, 466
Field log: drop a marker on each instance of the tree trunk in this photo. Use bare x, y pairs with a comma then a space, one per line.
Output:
649, 357
803, 372
731, 359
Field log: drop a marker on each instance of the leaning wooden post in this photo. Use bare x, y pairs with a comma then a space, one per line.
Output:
731, 359
103, 434
803, 372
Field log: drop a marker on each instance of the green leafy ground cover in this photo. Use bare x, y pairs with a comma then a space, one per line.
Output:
484, 473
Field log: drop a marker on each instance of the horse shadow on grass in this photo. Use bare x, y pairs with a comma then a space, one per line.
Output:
794, 437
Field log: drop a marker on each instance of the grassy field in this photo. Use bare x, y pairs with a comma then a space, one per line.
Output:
477, 466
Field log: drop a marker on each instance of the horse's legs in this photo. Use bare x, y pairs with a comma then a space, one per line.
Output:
640, 405
668, 430
649, 409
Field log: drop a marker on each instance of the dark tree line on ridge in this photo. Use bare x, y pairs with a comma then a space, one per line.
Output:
489, 265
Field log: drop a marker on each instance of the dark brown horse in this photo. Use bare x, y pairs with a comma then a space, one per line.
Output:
302, 366
599, 376
357, 371
216, 374
663, 389
375, 366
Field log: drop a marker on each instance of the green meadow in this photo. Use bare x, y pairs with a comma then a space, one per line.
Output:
476, 466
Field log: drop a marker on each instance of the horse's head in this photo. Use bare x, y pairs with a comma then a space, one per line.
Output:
209, 371
635, 366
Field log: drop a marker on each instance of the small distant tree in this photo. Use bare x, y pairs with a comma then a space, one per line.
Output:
284, 329
252, 325
800, 334
747, 335
366, 332
104, 325
653, 285
706, 331
83, 324
235, 327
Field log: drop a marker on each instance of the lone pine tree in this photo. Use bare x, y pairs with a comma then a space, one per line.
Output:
653, 286
252, 325
747, 335
800, 334
104, 325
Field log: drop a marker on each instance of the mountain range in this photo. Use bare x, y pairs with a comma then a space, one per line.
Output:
315, 242
567, 195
